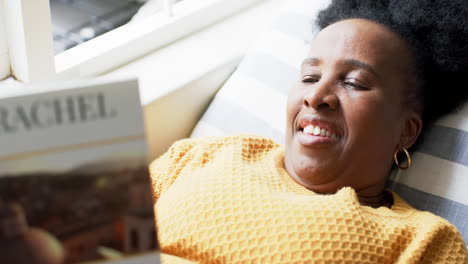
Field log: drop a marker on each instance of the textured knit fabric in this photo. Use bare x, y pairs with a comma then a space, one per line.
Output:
230, 200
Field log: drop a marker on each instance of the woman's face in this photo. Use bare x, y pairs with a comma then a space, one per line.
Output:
345, 116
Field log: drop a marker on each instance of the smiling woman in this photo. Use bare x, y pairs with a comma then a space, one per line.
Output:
353, 89
365, 92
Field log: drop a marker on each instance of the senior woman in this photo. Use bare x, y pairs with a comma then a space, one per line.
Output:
376, 74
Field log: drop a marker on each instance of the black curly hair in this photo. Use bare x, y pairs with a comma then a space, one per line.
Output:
436, 32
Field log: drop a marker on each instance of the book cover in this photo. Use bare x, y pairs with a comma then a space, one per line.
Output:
74, 184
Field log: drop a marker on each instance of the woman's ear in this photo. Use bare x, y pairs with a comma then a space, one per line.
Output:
411, 130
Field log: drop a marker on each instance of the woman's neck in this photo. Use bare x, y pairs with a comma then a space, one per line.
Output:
375, 196
382, 199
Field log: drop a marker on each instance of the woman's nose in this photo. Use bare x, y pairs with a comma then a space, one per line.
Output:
321, 95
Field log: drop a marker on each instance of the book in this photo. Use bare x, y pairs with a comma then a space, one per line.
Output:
74, 183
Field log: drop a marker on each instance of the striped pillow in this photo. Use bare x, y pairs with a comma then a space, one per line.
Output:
253, 101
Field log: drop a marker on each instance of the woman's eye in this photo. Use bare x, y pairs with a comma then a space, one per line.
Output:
310, 79
355, 86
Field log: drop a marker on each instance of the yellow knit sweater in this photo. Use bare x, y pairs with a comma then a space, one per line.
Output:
230, 200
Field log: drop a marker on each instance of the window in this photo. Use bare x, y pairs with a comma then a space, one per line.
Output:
76, 21
29, 31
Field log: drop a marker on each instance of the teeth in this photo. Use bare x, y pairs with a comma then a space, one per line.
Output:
323, 132
317, 131
309, 129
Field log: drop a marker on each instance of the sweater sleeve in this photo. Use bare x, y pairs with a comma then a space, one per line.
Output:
446, 246
165, 169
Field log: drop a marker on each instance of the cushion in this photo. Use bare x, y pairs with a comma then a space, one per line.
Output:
253, 101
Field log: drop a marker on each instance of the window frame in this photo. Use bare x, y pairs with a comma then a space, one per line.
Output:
30, 62
28, 33
4, 57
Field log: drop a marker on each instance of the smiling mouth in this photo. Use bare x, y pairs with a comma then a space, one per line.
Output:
313, 126
319, 131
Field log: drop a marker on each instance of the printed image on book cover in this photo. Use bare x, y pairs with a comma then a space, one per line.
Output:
74, 184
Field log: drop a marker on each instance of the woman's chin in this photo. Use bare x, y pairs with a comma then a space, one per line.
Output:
318, 182
313, 161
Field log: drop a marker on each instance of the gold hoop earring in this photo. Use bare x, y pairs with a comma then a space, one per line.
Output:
408, 158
